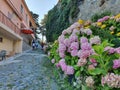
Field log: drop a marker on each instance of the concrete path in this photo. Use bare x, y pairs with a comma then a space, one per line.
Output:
28, 71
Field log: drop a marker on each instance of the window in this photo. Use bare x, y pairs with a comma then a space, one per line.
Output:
21, 9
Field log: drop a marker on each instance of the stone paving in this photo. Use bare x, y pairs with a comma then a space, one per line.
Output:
28, 71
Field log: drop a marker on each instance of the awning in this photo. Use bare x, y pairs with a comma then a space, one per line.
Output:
27, 31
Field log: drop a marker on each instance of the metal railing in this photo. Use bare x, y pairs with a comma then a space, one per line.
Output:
6, 21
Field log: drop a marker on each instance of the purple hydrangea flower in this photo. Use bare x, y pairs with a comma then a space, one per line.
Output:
67, 42
106, 18
89, 32
116, 63
83, 53
95, 40
61, 54
57, 65
63, 65
86, 46
74, 53
70, 70
62, 47
74, 46
81, 62
117, 50
73, 38
83, 40
61, 39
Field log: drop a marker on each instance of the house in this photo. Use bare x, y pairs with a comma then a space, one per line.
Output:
14, 17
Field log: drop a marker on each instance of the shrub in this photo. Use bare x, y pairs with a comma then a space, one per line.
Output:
93, 61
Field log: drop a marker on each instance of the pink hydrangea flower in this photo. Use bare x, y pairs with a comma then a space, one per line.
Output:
62, 47
86, 46
83, 53
70, 70
74, 53
107, 48
116, 63
81, 62
73, 38
53, 60
117, 50
75, 25
69, 50
64, 32
75, 31
93, 61
57, 65
103, 81
69, 30
74, 46
63, 64
100, 20
95, 40
110, 50
67, 42
86, 31
61, 39
106, 18
90, 67
111, 80
89, 32
118, 20
92, 51
83, 40
112, 28
103, 19
61, 54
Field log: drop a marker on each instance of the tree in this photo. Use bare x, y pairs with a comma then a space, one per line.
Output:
44, 20
35, 17
41, 30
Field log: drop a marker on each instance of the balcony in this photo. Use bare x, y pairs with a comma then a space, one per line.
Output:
6, 21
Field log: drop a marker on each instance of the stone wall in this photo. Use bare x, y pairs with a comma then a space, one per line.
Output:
26, 46
27, 41
90, 7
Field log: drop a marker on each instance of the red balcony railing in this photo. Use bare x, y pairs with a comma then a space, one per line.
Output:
5, 20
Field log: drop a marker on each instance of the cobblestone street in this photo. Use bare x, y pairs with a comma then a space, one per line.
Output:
28, 71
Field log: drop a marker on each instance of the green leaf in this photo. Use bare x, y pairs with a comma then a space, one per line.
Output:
96, 71
84, 87
98, 48
77, 74
76, 67
82, 68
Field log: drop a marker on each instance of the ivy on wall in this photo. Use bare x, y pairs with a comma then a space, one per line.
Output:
58, 18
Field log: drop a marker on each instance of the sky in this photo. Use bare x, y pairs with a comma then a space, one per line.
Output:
40, 7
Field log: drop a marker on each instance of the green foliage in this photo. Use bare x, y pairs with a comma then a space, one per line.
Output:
58, 18
35, 17
53, 52
97, 16
103, 34
116, 41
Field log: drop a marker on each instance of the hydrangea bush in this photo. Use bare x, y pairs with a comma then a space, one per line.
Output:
94, 63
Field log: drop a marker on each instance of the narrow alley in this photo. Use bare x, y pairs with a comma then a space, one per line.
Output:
29, 71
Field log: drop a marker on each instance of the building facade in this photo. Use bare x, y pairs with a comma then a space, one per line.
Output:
15, 16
